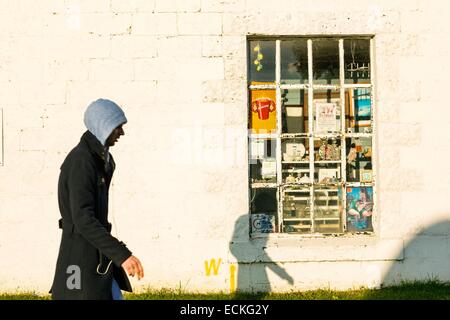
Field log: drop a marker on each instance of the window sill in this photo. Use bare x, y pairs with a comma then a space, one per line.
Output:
289, 248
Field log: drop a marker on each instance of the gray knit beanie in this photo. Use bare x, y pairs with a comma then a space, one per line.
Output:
102, 117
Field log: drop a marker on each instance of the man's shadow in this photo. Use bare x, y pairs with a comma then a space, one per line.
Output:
252, 259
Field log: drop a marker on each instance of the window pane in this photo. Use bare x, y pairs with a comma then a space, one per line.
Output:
294, 61
327, 111
262, 61
359, 159
357, 60
295, 161
263, 161
263, 115
296, 211
327, 208
293, 111
359, 209
359, 110
263, 209
327, 161
325, 61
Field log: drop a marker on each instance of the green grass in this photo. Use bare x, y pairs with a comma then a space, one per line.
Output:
416, 290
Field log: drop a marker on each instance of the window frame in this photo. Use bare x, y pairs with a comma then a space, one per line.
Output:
343, 135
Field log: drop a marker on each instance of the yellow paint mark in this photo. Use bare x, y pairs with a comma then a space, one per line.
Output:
232, 278
212, 265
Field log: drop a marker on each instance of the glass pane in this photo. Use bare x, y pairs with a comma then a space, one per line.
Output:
327, 161
296, 211
357, 60
294, 61
327, 150
263, 208
358, 111
359, 209
359, 159
262, 61
295, 161
327, 111
295, 115
327, 209
262, 160
263, 115
325, 61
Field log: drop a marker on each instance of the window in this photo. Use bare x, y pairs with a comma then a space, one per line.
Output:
310, 135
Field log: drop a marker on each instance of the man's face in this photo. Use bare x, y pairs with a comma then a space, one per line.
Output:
114, 136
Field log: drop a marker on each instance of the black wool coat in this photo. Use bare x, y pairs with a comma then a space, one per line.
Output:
89, 256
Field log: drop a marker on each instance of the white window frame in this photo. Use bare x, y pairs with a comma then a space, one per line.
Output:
343, 135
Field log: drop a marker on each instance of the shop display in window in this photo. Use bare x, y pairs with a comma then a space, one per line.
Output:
310, 178
359, 208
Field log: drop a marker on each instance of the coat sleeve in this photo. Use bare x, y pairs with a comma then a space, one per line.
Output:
82, 186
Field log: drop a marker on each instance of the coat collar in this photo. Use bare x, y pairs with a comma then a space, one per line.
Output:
94, 145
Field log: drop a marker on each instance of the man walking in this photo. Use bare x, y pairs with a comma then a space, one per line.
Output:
92, 264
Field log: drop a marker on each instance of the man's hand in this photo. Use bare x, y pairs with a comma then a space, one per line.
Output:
133, 266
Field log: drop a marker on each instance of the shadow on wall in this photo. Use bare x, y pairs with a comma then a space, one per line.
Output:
253, 261
425, 257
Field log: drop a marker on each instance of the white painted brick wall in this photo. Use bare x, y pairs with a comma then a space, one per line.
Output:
199, 23
179, 70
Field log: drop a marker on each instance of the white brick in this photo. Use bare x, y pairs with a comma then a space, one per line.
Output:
155, 23
8, 48
412, 112
236, 115
92, 46
32, 139
22, 116
26, 69
400, 134
146, 69
212, 91
234, 46
212, 46
106, 23
34, 7
110, 69
166, 23
88, 6
200, 24
6, 73
192, 69
235, 91
188, 92
180, 47
24, 24
223, 5
235, 24
126, 93
68, 47
400, 44
388, 112
235, 68
132, 5
32, 93
129, 46
178, 5
144, 23
434, 45
255, 6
